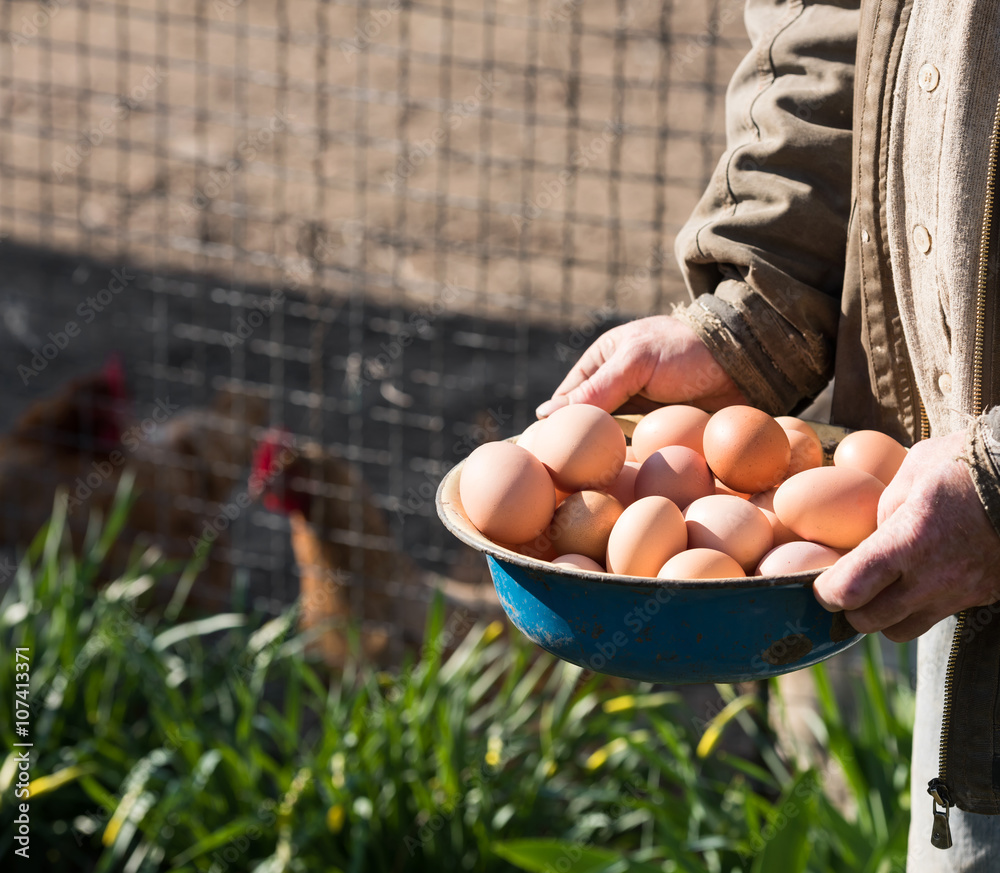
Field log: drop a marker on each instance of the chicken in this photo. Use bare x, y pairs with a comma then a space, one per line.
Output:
351, 573
60, 441
186, 467
186, 462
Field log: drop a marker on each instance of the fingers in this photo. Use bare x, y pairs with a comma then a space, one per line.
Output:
590, 362
875, 587
602, 379
863, 573
892, 498
897, 491
912, 627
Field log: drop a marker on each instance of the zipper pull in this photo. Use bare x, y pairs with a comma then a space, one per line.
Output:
941, 831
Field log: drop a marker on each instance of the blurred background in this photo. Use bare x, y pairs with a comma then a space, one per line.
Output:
390, 227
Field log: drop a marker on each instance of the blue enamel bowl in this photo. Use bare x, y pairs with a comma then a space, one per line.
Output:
656, 630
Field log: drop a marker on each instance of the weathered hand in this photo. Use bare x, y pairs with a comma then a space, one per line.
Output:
645, 364
935, 552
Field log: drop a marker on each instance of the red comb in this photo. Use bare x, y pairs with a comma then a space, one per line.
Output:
114, 377
267, 463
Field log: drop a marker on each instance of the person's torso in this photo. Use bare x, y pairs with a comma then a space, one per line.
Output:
921, 295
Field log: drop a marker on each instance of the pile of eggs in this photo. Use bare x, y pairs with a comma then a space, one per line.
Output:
695, 496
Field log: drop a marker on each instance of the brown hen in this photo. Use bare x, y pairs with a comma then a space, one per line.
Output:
352, 575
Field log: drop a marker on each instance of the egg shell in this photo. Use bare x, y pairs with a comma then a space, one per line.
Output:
623, 488
701, 564
746, 448
722, 488
835, 506
676, 472
677, 425
540, 548
580, 562
765, 503
647, 534
582, 447
525, 439
791, 423
797, 557
506, 492
731, 525
871, 451
583, 523
807, 452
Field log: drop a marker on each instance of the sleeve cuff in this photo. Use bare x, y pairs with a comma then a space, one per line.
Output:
984, 456
774, 365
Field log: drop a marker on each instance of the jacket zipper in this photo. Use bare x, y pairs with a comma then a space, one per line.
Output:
938, 787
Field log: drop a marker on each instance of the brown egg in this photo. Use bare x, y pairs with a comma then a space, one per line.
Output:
731, 525
677, 425
807, 452
871, 451
746, 448
722, 488
540, 548
582, 446
701, 564
623, 488
835, 506
765, 503
796, 557
506, 492
525, 439
791, 423
630, 455
582, 524
580, 562
648, 533
675, 472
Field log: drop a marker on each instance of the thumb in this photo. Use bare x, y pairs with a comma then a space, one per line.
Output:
612, 384
894, 496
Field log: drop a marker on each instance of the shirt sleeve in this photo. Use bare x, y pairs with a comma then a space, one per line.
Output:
763, 253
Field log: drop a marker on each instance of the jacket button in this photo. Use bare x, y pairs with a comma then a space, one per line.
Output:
944, 383
922, 238
864, 236
928, 77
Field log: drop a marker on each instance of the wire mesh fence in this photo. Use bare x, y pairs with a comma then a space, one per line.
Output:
389, 226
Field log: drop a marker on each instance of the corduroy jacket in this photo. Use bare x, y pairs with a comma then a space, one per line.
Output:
849, 231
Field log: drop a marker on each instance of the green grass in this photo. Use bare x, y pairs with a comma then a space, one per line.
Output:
214, 745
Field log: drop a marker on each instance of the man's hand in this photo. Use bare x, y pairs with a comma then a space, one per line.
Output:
645, 364
935, 552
